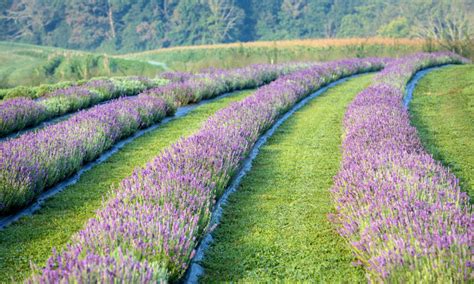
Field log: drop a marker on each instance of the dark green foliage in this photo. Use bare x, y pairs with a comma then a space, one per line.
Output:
123, 25
50, 66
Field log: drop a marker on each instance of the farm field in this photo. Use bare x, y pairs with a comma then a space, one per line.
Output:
281, 102
236, 141
345, 189
275, 226
442, 110
33, 238
275, 201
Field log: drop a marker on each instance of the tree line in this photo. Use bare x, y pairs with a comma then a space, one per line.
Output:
125, 25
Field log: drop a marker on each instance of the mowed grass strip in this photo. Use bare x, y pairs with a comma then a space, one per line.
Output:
442, 110
275, 227
32, 238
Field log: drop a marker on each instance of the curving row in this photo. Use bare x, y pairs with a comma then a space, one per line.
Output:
402, 212
147, 231
37, 160
19, 113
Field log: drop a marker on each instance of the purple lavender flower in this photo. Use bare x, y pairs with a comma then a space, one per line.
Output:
176, 76
188, 89
17, 114
157, 215
36, 161
217, 81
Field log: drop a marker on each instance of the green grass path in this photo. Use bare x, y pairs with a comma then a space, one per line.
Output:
443, 112
33, 238
275, 227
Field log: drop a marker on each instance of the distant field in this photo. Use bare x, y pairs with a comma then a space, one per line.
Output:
192, 58
31, 65
23, 64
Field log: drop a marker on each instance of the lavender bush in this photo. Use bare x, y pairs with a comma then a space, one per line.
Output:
176, 76
63, 101
149, 227
402, 212
33, 92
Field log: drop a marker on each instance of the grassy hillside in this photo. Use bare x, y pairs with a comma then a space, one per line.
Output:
192, 58
31, 65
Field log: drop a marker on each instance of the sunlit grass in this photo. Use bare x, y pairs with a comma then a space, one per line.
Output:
276, 225
443, 112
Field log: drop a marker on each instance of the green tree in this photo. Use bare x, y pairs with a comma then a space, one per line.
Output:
224, 20
397, 28
89, 21
125, 25
189, 23
265, 17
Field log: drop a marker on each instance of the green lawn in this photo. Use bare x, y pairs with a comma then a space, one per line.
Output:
276, 225
443, 112
32, 238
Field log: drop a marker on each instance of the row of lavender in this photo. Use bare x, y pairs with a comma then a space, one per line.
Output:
20, 113
148, 230
36, 91
37, 160
217, 81
402, 212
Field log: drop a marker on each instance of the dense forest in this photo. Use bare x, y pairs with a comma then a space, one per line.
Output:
125, 25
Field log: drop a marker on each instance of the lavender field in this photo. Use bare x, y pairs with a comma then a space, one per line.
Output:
401, 215
88, 196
